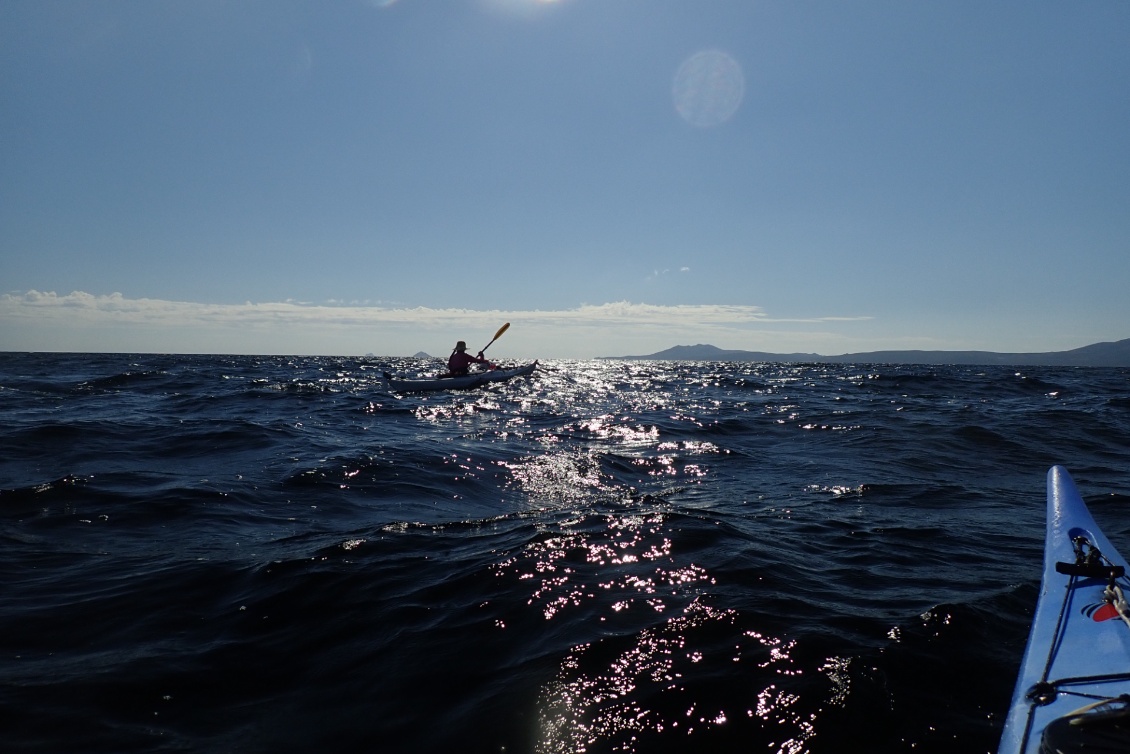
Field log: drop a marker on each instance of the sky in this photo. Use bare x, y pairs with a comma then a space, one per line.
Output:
612, 177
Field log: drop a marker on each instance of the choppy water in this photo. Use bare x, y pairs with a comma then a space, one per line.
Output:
210, 553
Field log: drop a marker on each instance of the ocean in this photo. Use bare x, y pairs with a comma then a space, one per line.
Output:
276, 554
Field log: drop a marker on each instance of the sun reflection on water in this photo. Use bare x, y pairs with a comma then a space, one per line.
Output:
603, 459
648, 673
616, 698
561, 478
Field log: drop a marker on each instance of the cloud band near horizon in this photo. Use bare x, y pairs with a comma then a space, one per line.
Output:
191, 326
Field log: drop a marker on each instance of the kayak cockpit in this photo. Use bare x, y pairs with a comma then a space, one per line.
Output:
1102, 727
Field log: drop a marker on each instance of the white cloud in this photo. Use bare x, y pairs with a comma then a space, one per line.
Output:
84, 322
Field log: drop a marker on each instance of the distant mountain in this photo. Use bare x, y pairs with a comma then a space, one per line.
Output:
1116, 354
422, 355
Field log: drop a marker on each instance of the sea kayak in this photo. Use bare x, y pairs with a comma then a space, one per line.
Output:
1076, 668
464, 382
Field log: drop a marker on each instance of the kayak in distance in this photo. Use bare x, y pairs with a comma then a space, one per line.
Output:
1073, 692
462, 382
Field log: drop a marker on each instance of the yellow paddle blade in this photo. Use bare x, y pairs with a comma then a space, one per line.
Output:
501, 330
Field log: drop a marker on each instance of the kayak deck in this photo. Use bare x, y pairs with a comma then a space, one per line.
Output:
1078, 649
463, 382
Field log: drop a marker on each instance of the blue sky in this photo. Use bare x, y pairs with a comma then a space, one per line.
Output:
610, 176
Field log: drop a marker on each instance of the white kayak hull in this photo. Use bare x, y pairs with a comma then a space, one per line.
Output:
464, 382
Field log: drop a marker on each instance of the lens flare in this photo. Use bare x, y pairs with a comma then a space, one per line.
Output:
708, 88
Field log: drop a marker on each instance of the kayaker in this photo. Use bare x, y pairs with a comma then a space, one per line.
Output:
461, 361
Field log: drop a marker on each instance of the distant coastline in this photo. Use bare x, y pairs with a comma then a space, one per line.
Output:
1113, 354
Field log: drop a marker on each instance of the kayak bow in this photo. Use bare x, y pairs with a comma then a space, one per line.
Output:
1070, 695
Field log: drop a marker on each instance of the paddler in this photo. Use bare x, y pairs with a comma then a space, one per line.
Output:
460, 361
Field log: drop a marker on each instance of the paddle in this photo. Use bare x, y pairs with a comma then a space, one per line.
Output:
497, 335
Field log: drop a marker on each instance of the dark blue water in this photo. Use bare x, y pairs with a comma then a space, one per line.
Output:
212, 553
